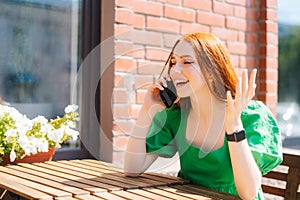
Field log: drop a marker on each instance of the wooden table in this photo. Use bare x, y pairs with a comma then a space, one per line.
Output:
91, 179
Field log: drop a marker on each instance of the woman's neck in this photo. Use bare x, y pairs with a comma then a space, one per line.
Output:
206, 104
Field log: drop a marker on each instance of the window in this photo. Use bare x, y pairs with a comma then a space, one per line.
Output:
41, 51
289, 60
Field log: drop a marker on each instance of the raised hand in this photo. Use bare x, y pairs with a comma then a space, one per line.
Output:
245, 91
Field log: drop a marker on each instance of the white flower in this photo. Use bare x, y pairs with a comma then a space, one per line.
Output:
40, 119
42, 145
56, 135
10, 134
12, 155
71, 108
47, 128
30, 145
72, 133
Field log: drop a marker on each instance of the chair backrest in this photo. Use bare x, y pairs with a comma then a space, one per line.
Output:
285, 178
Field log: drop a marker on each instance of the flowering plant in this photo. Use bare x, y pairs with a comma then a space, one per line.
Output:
21, 136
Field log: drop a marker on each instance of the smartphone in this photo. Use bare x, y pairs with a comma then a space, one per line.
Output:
169, 94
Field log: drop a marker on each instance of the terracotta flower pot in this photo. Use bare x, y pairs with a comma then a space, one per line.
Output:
38, 157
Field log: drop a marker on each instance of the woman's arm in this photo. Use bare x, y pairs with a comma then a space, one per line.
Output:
247, 176
137, 160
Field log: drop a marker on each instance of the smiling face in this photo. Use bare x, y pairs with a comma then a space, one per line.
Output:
185, 70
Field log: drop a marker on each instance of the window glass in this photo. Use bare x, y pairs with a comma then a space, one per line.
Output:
39, 55
288, 114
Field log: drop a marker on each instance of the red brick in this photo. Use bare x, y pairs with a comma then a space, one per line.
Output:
138, 51
199, 5
125, 65
161, 24
269, 3
269, 26
252, 14
236, 23
251, 37
123, 48
235, 60
269, 63
241, 37
240, 11
148, 7
119, 80
179, 13
124, 16
147, 37
157, 54
267, 74
193, 27
238, 48
121, 111
120, 96
210, 19
268, 14
251, 62
169, 40
174, 2
252, 26
225, 34
141, 96
142, 81
223, 8
269, 87
124, 3
150, 68
138, 21
123, 31
237, 2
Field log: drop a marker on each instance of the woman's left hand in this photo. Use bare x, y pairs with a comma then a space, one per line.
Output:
245, 91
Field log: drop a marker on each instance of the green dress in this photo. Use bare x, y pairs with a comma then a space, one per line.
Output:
213, 169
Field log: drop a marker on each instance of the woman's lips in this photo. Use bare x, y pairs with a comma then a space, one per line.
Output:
180, 83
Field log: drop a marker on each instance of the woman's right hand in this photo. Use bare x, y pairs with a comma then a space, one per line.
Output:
152, 97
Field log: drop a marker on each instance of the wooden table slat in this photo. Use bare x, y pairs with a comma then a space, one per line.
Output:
50, 175
148, 194
151, 178
108, 196
115, 176
185, 193
46, 180
95, 180
30, 183
161, 191
88, 197
102, 187
130, 195
86, 176
206, 192
19, 189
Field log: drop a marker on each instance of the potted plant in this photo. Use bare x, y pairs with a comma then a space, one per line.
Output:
22, 137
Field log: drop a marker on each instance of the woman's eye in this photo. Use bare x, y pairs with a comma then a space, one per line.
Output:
188, 62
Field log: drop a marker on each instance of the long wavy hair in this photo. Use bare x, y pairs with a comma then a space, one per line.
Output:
214, 61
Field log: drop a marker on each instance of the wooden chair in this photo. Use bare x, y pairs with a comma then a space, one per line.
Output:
285, 177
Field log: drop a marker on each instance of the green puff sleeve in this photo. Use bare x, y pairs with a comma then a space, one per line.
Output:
263, 136
160, 138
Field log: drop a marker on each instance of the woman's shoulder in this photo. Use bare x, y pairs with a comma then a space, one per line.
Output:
258, 111
256, 106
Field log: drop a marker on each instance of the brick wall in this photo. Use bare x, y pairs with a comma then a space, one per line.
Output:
145, 30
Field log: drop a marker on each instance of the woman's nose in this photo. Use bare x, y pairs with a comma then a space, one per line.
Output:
176, 68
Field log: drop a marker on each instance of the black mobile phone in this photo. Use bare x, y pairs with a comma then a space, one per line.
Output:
169, 94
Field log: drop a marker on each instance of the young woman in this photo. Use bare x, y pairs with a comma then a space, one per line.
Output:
225, 140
